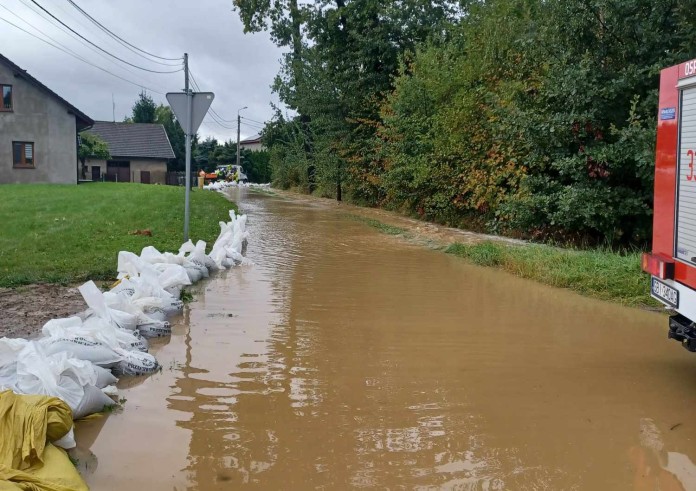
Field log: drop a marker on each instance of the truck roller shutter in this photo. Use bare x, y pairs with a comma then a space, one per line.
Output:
686, 187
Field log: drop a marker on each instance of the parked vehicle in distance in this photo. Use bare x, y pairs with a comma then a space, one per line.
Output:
225, 171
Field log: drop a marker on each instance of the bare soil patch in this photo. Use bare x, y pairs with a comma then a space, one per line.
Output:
24, 310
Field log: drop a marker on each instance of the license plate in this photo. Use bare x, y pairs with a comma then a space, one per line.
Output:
665, 293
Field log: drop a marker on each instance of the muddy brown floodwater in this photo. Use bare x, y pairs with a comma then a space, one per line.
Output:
346, 358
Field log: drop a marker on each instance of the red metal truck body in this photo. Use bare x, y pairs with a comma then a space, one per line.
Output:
672, 263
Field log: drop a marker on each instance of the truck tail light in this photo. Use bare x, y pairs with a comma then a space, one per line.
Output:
660, 266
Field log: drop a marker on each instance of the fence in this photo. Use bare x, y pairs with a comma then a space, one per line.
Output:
179, 179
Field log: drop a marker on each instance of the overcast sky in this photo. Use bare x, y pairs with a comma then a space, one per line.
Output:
239, 68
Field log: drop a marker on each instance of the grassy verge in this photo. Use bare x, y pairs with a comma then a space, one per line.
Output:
596, 273
382, 227
64, 234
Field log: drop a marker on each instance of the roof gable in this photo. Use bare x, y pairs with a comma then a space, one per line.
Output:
82, 119
253, 139
134, 140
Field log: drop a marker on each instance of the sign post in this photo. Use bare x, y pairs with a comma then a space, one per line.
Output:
189, 108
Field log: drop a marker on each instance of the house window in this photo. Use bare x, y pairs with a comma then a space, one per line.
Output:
6, 91
23, 155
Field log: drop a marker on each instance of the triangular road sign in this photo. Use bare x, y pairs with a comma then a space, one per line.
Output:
199, 107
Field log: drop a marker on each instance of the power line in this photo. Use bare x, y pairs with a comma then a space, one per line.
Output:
219, 120
81, 59
99, 47
213, 113
253, 120
130, 46
65, 48
257, 128
39, 31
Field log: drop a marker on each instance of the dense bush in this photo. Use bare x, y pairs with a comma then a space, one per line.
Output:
525, 117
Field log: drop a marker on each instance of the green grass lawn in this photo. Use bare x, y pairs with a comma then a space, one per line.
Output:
602, 274
66, 233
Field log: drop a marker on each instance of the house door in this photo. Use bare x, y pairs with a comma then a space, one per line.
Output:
145, 176
96, 173
118, 170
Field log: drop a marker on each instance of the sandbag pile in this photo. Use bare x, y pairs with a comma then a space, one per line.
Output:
77, 359
221, 185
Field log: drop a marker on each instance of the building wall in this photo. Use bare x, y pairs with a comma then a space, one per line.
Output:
157, 168
37, 117
254, 147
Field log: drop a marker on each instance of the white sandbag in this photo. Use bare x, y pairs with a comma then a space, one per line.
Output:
218, 255
125, 287
10, 348
93, 401
111, 391
173, 276
151, 255
81, 371
134, 342
153, 307
175, 290
129, 265
67, 441
94, 330
143, 289
196, 255
81, 348
104, 377
136, 363
155, 329
193, 272
95, 300
39, 373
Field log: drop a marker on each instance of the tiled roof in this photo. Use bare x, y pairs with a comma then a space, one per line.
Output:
134, 140
82, 119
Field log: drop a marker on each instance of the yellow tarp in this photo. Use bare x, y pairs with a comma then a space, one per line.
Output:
27, 461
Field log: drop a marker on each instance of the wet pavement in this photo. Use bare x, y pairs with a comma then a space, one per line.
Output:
347, 358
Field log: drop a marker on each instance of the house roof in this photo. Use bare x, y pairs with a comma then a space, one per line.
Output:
253, 139
134, 140
83, 120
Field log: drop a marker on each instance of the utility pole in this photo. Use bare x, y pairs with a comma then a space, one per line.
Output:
189, 97
239, 122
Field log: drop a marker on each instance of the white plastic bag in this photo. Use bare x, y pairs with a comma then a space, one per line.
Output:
39, 373
94, 298
93, 401
104, 377
82, 348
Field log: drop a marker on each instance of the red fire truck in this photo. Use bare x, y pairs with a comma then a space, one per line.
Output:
672, 264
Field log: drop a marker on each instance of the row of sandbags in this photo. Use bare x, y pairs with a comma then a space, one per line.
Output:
220, 185
78, 358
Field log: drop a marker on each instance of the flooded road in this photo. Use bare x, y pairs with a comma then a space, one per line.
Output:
346, 358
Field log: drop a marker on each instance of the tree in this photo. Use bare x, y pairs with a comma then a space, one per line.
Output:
204, 154
165, 116
91, 146
144, 109
256, 165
